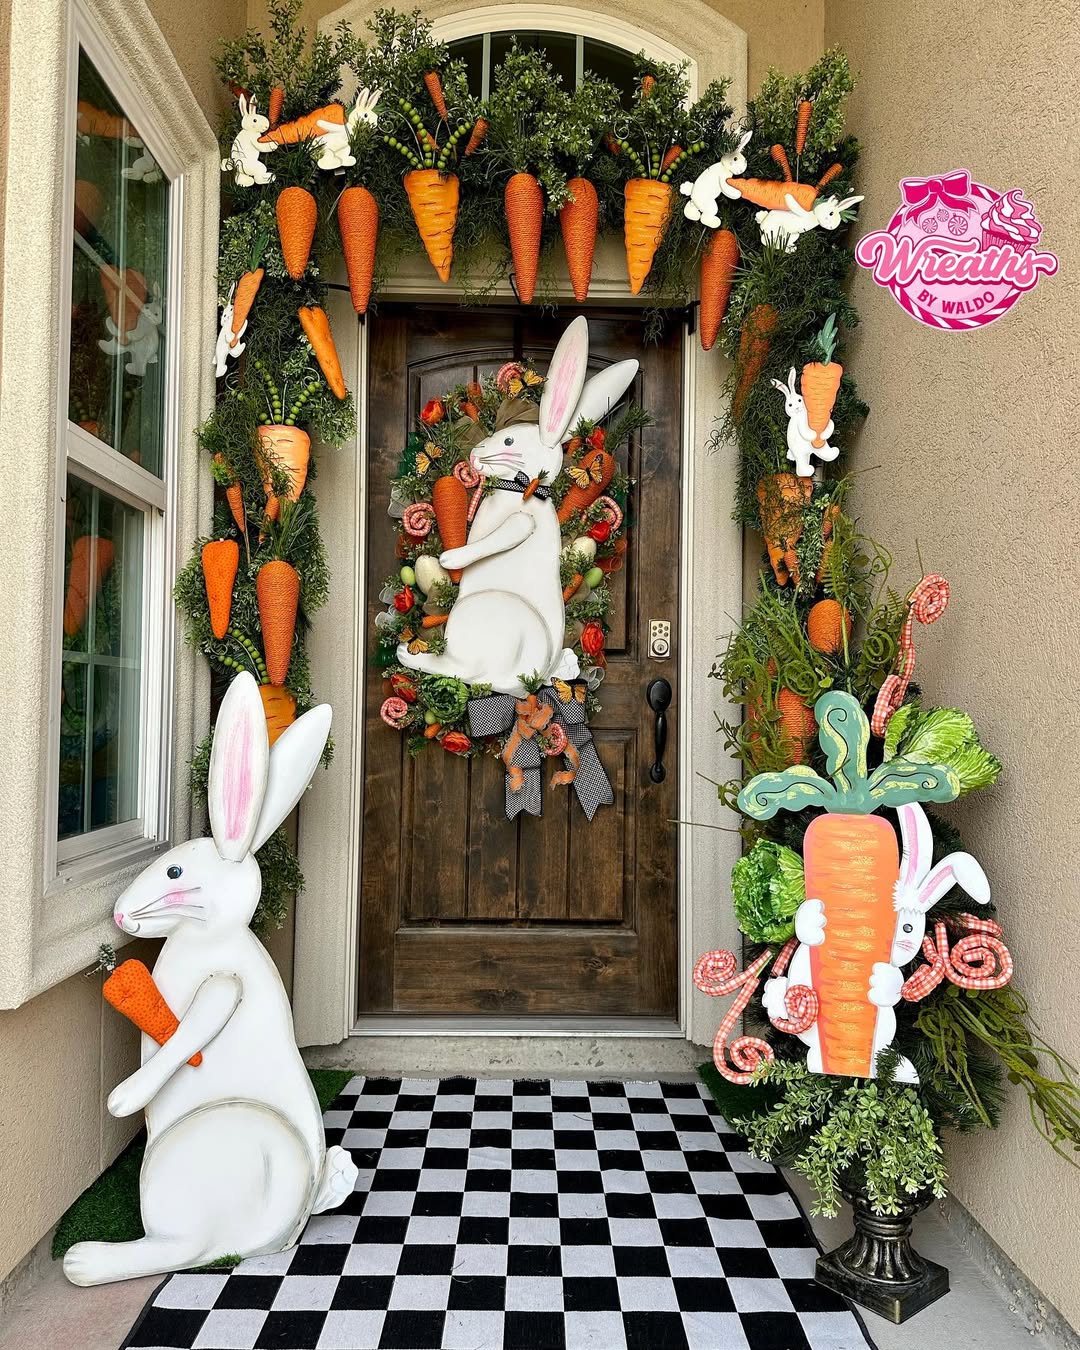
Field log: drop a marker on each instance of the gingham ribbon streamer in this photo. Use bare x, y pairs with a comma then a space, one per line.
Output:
927, 603
498, 713
979, 961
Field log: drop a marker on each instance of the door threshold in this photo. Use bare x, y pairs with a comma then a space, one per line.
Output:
403, 1024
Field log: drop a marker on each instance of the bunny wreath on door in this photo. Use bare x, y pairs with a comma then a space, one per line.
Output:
511, 508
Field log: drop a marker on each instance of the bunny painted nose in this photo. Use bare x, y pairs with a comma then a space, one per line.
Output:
118, 919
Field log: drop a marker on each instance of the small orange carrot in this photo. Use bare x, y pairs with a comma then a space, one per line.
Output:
358, 222
779, 155
781, 499
433, 85
433, 620
754, 343
797, 723
770, 193
833, 171
277, 591
243, 298
316, 328
131, 991
802, 125
479, 135
434, 197
432, 731
304, 128
220, 561
87, 553
275, 105
297, 212
450, 498
279, 706
671, 155
234, 495
828, 626
572, 586
524, 204
718, 263
648, 84
578, 222
821, 382
599, 471
645, 220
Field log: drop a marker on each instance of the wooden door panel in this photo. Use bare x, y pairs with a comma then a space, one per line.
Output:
463, 911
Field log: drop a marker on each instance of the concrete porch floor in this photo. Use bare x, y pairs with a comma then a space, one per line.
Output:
978, 1314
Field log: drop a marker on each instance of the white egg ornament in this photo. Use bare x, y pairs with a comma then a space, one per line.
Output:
584, 547
428, 573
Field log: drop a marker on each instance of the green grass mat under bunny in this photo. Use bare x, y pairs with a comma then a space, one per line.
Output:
736, 1102
108, 1211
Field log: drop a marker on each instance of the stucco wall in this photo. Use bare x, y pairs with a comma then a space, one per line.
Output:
61, 1053
975, 437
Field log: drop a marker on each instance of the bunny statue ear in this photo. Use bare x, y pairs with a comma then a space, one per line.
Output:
239, 763
603, 391
293, 760
918, 845
565, 378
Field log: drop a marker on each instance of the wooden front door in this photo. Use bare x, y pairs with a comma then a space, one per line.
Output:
463, 911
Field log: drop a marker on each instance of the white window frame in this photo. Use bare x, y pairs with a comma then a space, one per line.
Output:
55, 907
86, 457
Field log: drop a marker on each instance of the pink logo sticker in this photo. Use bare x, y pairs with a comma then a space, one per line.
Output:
957, 255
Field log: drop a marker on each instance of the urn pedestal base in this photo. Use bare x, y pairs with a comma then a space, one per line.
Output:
877, 1267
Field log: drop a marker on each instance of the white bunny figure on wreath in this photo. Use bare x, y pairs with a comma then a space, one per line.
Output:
236, 1158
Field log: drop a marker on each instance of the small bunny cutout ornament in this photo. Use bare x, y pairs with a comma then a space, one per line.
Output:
784, 229
236, 1159
705, 191
509, 617
244, 161
802, 439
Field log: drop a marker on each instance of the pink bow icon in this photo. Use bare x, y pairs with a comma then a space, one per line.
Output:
951, 189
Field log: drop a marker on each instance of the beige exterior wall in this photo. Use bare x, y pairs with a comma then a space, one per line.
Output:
63, 1052
976, 439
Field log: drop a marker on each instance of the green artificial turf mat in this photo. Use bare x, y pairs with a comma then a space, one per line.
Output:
108, 1210
736, 1102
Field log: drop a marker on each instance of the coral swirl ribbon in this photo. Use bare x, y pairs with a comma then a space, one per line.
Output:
979, 961
927, 603
532, 716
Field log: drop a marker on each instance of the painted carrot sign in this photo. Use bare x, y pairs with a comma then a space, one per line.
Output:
852, 865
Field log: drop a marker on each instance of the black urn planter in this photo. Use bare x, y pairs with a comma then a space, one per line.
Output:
877, 1267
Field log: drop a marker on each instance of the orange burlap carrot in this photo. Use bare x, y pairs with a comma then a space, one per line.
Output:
277, 593
718, 263
578, 221
523, 201
434, 198
358, 221
450, 498
646, 216
297, 212
132, 991
600, 468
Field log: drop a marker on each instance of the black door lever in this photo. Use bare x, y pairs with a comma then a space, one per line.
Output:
658, 696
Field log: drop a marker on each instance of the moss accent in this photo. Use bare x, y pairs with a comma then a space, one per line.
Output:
735, 1102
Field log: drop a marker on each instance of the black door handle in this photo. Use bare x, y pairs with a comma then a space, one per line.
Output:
658, 696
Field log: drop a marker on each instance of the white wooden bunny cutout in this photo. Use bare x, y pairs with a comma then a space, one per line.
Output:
244, 158
784, 229
335, 137
802, 440
236, 1159
919, 887
711, 184
509, 618
228, 342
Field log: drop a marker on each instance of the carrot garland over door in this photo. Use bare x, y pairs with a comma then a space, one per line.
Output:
851, 863
821, 382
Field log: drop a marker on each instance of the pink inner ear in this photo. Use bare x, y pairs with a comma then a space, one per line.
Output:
238, 785
560, 389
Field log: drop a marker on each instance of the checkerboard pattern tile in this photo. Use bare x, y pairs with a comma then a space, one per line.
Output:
519, 1215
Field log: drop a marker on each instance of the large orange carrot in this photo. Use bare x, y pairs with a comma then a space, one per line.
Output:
718, 263
316, 326
821, 382
781, 498
433, 85
304, 128
852, 866
754, 343
220, 561
277, 591
450, 498
600, 470
297, 212
802, 125
828, 626
358, 222
288, 448
770, 193
234, 495
434, 197
131, 990
87, 553
243, 298
479, 135
125, 294
577, 221
523, 200
797, 724
279, 707
645, 219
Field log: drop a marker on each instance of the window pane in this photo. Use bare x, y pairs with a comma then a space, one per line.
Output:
117, 365
471, 51
100, 711
614, 64
561, 50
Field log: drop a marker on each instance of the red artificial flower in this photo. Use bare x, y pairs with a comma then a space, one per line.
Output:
592, 639
434, 412
403, 686
596, 438
404, 600
456, 742
601, 531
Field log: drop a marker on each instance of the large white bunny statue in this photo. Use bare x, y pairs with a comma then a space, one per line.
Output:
509, 618
918, 888
704, 192
236, 1159
802, 440
784, 229
244, 160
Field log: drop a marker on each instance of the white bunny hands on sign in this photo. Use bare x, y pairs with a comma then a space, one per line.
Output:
802, 440
236, 1159
711, 184
509, 618
919, 887
248, 168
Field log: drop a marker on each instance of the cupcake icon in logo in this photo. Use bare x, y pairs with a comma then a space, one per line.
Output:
957, 254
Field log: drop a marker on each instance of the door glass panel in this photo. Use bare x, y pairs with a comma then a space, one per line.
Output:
118, 279
100, 690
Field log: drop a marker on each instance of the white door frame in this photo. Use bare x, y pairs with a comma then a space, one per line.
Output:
328, 913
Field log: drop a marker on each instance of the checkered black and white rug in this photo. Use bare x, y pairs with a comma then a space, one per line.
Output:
520, 1215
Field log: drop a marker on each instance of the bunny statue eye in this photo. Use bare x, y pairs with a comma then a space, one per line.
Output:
173, 872
509, 440
908, 927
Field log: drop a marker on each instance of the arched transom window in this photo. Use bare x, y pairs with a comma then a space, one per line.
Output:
571, 54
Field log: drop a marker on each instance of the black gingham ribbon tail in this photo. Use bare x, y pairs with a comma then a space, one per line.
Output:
591, 783
494, 716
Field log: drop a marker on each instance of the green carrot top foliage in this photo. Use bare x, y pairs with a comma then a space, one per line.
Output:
529, 114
